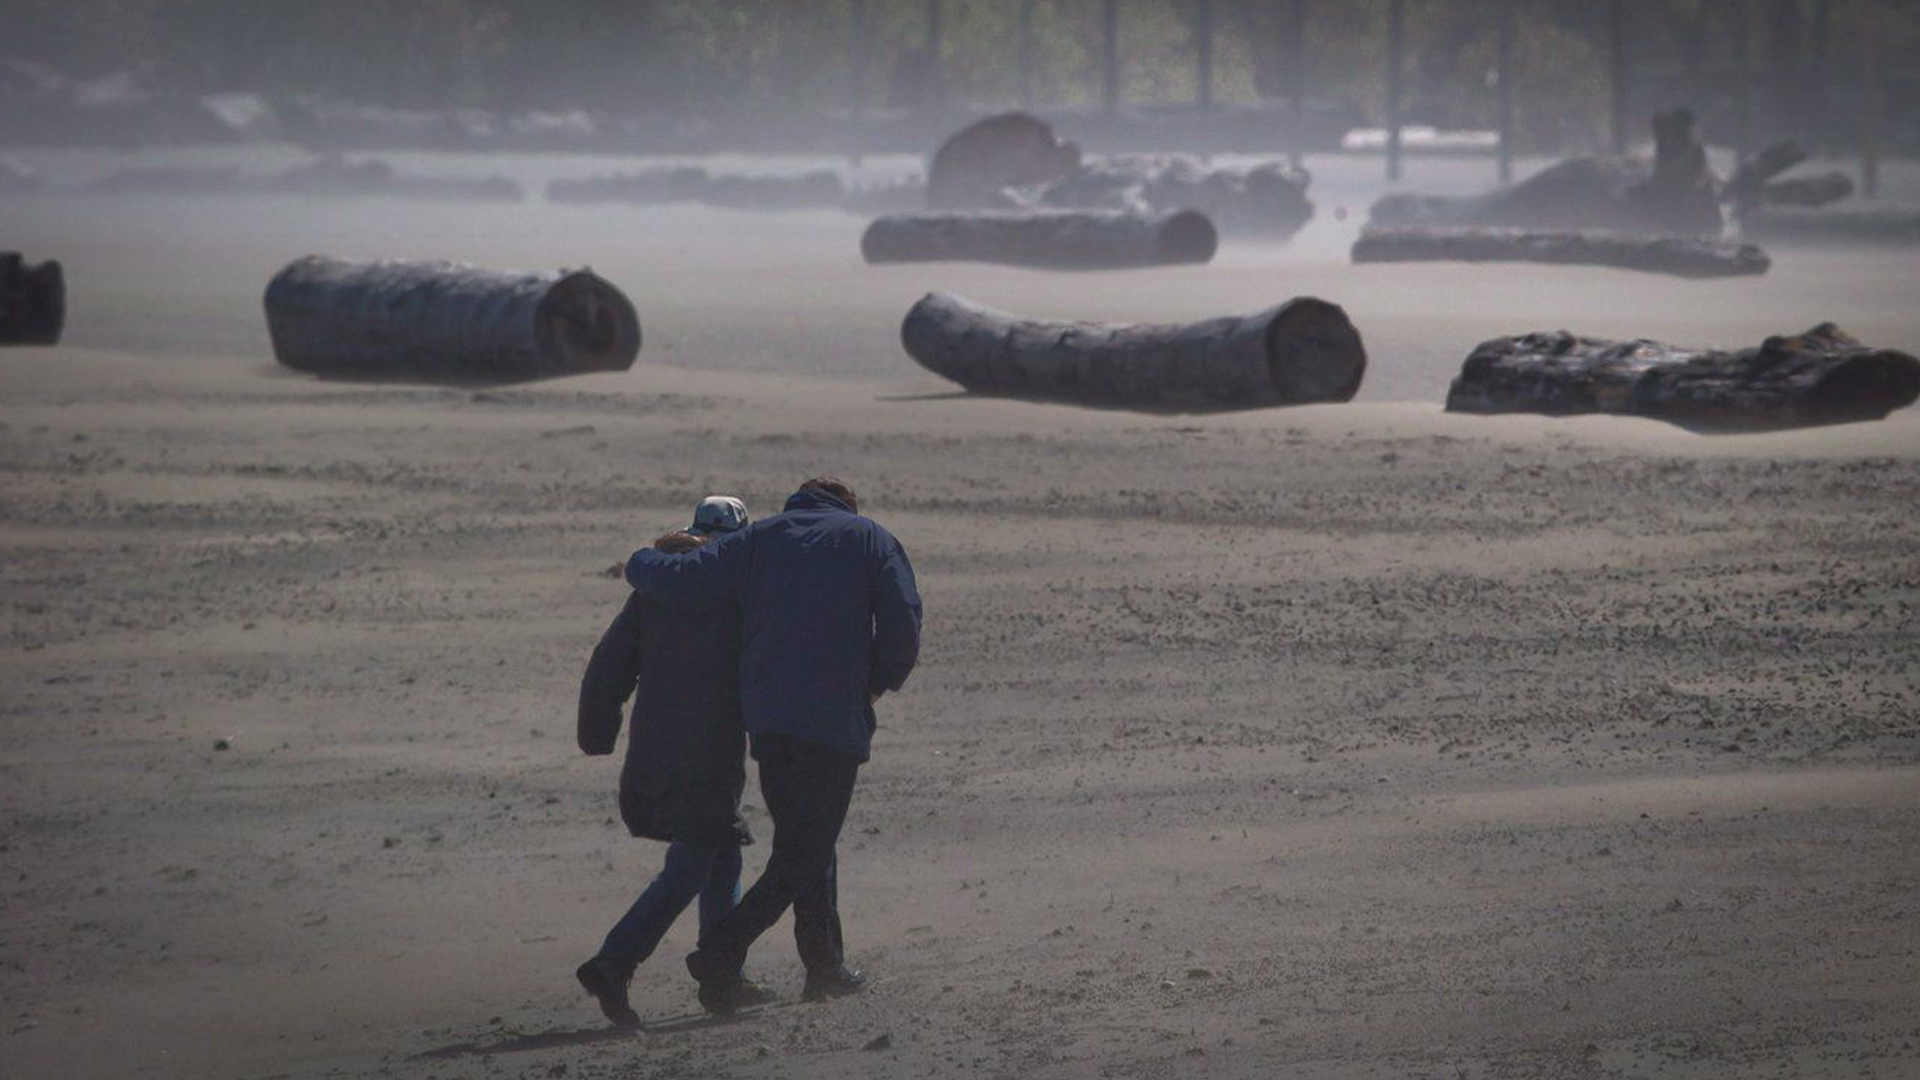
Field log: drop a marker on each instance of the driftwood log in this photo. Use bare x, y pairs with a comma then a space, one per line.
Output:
1820, 377
442, 320
1295, 353
1849, 224
1675, 193
1050, 239
328, 176
693, 184
1267, 199
975, 166
33, 301
1684, 256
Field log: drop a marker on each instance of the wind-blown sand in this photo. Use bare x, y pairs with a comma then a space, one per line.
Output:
1346, 741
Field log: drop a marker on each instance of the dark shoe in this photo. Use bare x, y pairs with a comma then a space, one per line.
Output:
752, 995
607, 982
721, 997
724, 997
836, 981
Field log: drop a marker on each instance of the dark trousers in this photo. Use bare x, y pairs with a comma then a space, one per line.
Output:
808, 789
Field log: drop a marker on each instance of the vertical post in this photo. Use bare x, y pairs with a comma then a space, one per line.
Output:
857, 68
1503, 74
1026, 54
1617, 72
934, 31
857, 81
1742, 80
1874, 115
1815, 131
1396, 44
1110, 56
1297, 75
1203, 54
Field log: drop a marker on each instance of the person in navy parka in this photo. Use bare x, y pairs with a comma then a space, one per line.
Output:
830, 621
686, 758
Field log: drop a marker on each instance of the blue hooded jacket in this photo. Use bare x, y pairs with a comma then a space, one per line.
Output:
830, 616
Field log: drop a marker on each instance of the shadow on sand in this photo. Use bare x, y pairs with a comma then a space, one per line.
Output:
561, 1037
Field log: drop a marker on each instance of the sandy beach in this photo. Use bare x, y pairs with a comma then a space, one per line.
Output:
1332, 742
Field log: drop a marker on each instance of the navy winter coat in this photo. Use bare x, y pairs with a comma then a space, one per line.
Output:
828, 608
686, 750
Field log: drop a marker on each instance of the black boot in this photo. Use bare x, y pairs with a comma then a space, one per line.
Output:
607, 982
832, 982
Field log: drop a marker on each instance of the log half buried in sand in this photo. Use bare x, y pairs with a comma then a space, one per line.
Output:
33, 301
1044, 239
442, 320
1295, 353
1820, 377
1851, 224
1685, 256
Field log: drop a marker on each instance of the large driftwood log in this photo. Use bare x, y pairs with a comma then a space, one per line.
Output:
327, 176
975, 166
1820, 377
447, 321
1295, 353
1685, 256
1051, 239
1850, 224
1673, 194
33, 301
1267, 199
691, 183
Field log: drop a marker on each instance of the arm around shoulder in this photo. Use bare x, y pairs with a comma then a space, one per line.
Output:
705, 578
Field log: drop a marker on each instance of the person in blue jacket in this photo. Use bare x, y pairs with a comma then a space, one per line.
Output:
830, 620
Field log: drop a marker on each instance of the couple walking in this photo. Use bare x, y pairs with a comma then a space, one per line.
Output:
783, 633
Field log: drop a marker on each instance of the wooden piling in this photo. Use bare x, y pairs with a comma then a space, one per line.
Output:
1617, 72
1396, 46
1203, 54
1503, 46
1110, 56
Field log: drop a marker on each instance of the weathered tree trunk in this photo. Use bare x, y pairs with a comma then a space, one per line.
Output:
1295, 353
1865, 225
1051, 239
33, 300
446, 320
974, 166
1682, 256
1820, 377
691, 183
1675, 194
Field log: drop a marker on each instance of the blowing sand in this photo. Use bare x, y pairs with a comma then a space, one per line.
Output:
1334, 742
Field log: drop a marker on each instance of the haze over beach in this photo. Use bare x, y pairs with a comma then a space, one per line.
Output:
1331, 741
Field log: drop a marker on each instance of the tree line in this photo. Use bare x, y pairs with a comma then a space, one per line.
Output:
712, 57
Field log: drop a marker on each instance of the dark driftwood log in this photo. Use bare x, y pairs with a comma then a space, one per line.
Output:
973, 168
1295, 353
1853, 224
1820, 377
1673, 194
327, 176
1685, 256
1819, 189
1053, 239
690, 183
446, 320
1268, 199
33, 301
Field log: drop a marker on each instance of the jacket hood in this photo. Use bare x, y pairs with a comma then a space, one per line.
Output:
815, 499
